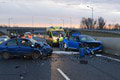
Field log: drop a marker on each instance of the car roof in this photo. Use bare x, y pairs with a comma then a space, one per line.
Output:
80, 35
84, 35
76, 34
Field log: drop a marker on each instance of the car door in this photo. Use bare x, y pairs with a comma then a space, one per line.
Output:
24, 47
73, 42
12, 46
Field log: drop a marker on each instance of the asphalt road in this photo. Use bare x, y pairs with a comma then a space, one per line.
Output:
98, 68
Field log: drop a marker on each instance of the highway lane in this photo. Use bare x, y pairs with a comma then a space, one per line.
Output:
98, 68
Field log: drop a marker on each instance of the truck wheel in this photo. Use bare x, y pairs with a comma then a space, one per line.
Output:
35, 55
5, 55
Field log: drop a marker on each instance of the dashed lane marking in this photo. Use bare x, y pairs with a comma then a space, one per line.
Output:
63, 74
99, 55
65, 52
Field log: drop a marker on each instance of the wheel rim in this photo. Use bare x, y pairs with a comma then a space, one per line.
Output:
5, 55
35, 56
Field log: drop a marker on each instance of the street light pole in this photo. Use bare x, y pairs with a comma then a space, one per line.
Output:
91, 9
63, 22
70, 22
32, 21
9, 21
92, 14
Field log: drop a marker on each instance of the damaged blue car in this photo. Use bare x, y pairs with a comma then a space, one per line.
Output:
75, 40
24, 47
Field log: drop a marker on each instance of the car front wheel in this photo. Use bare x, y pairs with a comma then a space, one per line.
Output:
5, 55
35, 55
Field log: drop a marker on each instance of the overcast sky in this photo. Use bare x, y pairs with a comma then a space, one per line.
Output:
53, 12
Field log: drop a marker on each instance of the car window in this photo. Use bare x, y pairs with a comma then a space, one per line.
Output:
71, 38
12, 43
74, 38
24, 43
86, 38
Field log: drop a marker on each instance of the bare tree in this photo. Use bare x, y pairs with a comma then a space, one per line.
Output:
101, 23
117, 26
88, 23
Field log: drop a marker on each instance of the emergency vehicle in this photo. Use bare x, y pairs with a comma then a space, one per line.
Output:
53, 34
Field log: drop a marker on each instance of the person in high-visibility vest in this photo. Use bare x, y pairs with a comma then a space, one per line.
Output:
61, 41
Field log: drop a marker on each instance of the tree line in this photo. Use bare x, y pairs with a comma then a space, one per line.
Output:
100, 23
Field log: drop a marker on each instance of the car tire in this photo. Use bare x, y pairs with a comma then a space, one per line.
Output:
35, 55
5, 55
65, 47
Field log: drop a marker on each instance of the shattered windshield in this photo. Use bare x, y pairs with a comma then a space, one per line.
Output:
86, 38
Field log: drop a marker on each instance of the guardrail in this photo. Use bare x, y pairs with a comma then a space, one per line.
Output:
104, 31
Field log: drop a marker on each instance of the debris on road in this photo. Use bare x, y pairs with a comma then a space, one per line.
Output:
17, 66
83, 62
21, 77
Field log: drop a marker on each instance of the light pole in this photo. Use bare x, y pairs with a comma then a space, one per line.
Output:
32, 21
70, 22
63, 22
92, 14
9, 21
91, 9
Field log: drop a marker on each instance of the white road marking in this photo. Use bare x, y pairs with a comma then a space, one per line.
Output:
65, 52
63, 74
98, 55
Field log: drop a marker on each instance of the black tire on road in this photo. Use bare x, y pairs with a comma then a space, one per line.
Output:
35, 55
5, 55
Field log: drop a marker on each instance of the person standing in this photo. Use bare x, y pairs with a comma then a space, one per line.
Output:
61, 41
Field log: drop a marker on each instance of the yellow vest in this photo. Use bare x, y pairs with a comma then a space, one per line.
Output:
60, 39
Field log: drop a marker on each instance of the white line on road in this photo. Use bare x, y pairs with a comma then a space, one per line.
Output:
98, 55
65, 52
63, 74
